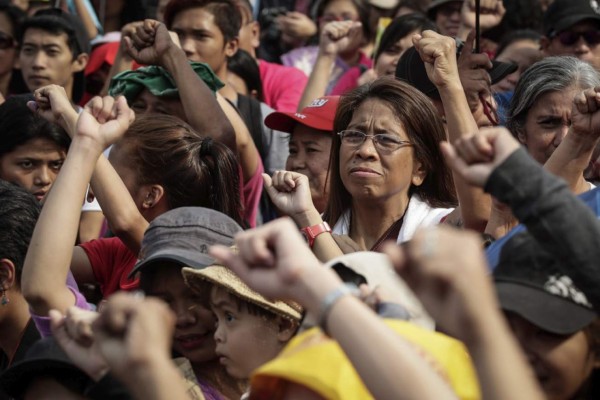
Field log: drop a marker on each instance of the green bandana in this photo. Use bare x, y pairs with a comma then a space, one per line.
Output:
158, 81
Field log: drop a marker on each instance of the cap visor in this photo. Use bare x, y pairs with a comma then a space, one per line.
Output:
546, 311
192, 259
285, 122
572, 20
500, 70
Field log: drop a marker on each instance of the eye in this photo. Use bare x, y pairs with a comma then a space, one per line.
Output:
52, 53
138, 107
353, 137
229, 317
56, 165
27, 50
26, 164
293, 151
388, 141
312, 150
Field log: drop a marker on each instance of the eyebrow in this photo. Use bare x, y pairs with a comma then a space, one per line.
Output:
220, 304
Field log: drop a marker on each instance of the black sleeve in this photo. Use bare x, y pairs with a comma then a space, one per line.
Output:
560, 222
107, 388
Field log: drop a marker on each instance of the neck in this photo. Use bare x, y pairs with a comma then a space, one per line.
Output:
370, 220
13, 323
215, 375
4, 83
229, 93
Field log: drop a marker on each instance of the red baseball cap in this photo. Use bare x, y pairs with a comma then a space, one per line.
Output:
317, 115
103, 53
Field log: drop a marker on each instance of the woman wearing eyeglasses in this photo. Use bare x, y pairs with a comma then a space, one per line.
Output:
387, 175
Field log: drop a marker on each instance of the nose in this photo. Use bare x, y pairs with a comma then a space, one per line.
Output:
188, 46
513, 78
581, 44
43, 176
560, 135
367, 149
184, 315
295, 163
39, 60
219, 334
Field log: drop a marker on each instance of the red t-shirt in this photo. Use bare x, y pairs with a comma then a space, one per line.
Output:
111, 262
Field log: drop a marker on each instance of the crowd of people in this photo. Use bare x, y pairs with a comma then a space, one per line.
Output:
299, 199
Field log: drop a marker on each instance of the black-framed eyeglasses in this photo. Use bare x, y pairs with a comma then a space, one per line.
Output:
569, 38
382, 141
6, 41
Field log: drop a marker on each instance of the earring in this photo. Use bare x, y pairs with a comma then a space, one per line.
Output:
5, 300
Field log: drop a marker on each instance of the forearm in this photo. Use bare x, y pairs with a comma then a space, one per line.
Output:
121, 63
50, 250
570, 159
475, 204
122, 214
86, 19
560, 222
90, 225
199, 102
389, 366
318, 80
324, 247
501, 367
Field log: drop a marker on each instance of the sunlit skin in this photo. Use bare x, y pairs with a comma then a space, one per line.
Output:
388, 59
370, 175
244, 341
46, 59
309, 155
523, 53
202, 40
562, 363
195, 323
581, 49
33, 165
547, 123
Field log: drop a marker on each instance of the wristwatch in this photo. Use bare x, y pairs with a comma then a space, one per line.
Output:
311, 232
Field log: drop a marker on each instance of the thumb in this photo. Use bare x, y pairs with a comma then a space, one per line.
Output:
268, 185
125, 115
453, 159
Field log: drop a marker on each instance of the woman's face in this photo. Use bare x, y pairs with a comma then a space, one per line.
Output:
372, 174
194, 329
309, 155
523, 53
387, 60
562, 363
547, 123
8, 45
339, 10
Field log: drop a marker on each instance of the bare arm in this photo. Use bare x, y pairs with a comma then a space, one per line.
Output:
84, 15
438, 53
90, 225
335, 38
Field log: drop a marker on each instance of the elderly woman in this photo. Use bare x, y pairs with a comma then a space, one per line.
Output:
387, 175
542, 110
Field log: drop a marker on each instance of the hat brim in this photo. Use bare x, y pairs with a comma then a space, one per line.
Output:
570, 21
544, 310
285, 122
15, 379
192, 259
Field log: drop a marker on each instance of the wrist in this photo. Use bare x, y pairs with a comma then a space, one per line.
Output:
315, 286
87, 145
307, 218
171, 58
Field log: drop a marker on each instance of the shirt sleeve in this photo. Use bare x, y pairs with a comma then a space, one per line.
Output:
42, 323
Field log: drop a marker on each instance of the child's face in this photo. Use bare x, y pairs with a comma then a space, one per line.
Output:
244, 341
561, 363
194, 328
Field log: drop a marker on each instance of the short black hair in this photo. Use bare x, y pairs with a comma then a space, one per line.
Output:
18, 215
18, 125
243, 65
56, 22
402, 26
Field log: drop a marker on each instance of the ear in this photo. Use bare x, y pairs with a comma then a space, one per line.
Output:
544, 44
419, 173
152, 196
287, 329
80, 62
232, 46
255, 29
521, 136
8, 274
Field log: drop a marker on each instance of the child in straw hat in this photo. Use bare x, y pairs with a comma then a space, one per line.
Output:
251, 330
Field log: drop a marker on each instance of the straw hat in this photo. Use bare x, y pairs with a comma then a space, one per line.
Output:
227, 279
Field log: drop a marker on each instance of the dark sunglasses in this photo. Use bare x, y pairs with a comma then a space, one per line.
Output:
6, 41
569, 38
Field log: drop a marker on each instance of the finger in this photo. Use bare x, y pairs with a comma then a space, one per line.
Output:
32, 105
289, 180
56, 319
590, 96
124, 115
107, 109
94, 106
253, 248
454, 161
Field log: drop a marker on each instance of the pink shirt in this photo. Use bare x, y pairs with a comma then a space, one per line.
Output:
282, 86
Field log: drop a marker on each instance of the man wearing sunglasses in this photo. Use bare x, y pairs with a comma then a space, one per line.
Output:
572, 28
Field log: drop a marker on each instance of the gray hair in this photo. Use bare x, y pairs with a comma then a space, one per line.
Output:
551, 74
